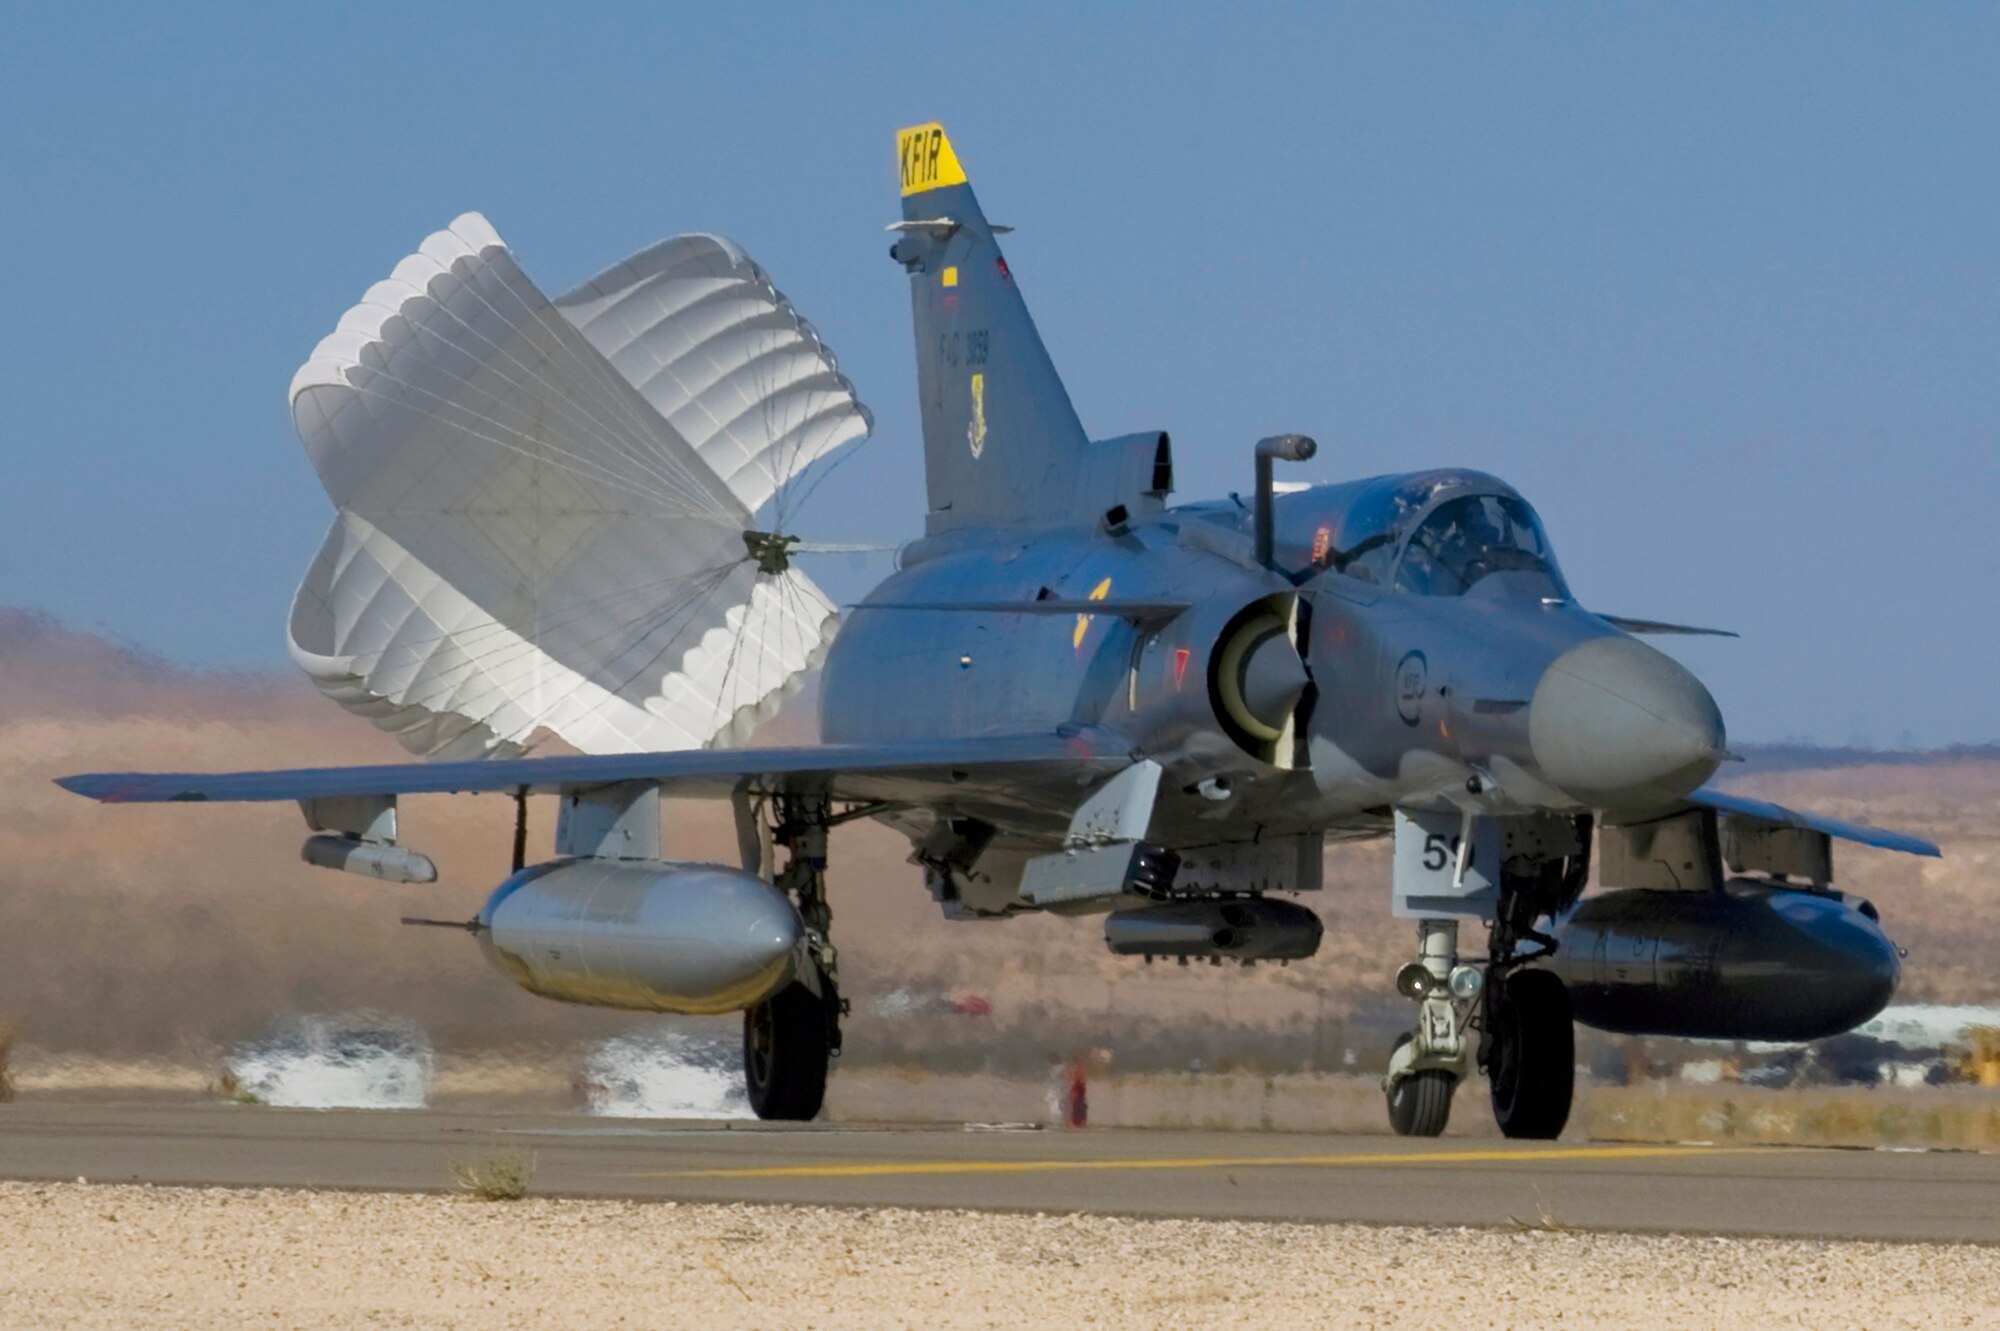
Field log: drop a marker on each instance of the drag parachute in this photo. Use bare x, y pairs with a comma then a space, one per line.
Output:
553, 515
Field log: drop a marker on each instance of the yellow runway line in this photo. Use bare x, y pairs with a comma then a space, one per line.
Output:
886, 1168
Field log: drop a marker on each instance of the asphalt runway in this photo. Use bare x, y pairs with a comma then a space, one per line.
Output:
1262, 1176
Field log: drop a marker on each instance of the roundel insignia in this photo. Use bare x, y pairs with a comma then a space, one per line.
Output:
1412, 681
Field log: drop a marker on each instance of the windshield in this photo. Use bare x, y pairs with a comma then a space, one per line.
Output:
1372, 526
1472, 538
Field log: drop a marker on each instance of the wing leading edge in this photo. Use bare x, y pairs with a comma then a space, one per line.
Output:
914, 770
1777, 815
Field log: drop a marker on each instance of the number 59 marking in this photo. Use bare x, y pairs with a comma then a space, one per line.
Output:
1441, 852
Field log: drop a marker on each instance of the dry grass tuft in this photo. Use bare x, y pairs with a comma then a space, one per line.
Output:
1545, 1221
499, 1175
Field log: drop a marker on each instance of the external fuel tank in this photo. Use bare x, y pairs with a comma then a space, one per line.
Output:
1756, 960
642, 934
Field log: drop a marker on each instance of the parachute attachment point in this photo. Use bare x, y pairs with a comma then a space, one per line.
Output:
772, 552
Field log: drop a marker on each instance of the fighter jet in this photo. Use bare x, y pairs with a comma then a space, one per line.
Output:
1073, 695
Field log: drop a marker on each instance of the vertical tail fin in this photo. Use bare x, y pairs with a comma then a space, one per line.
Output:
1002, 444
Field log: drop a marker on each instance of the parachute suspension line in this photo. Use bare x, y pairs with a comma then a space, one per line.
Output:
632, 442
787, 648
650, 471
651, 477
452, 686
701, 595
692, 596
820, 477
657, 613
783, 431
534, 448
621, 443
725, 714
575, 608
790, 502
805, 450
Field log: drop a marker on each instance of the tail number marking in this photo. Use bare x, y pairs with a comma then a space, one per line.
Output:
964, 348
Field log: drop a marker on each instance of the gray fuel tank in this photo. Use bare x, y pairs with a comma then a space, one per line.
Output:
1755, 961
642, 934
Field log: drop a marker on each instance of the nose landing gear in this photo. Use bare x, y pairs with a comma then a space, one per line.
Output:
1526, 1041
1429, 1062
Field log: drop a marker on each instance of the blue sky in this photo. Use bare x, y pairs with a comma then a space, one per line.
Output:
1717, 288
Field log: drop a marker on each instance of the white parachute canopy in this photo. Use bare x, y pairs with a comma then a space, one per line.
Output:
543, 505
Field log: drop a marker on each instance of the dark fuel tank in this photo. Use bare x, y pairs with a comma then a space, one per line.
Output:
1756, 960
1241, 928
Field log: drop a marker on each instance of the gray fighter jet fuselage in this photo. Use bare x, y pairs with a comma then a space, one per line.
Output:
1427, 654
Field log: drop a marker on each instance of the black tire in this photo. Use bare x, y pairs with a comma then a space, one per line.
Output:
1420, 1103
787, 1044
1533, 1067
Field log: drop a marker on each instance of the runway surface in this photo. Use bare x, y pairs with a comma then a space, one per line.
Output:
1268, 1176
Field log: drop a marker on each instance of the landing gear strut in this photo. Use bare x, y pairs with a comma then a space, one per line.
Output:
1429, 1062
791, 1038
1526, 1044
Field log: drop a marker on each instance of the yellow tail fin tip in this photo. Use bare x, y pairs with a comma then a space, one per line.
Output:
925, 160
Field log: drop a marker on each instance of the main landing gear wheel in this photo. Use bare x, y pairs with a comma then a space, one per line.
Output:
1420, 1102
1533, 1067
787, 1044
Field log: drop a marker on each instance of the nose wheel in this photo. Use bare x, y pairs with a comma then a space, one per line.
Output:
1420, 1102
1428, 1063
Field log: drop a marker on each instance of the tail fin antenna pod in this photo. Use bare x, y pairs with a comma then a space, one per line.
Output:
1002, 444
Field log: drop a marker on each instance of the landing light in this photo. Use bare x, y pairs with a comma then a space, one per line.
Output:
1466, 982
1415, 980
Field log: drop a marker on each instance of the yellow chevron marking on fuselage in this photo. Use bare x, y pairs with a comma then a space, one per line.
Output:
1097, 593
975, 430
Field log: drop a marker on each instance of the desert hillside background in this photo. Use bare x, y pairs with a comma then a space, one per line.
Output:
171, 931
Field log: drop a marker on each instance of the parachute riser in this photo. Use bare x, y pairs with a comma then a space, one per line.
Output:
772, 551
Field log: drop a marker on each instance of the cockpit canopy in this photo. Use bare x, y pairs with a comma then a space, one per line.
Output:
1439, 533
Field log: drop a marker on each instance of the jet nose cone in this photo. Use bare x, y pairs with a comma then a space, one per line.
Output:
1618, 725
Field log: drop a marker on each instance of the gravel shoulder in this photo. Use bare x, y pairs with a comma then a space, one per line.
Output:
85, 1255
